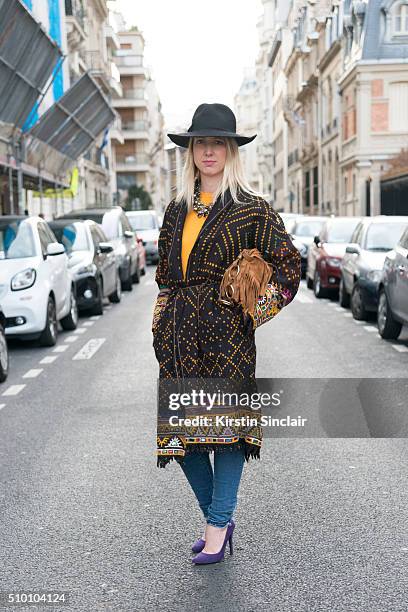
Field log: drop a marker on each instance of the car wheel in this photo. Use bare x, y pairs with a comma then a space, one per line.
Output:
317, 286
4, 358
70, 322
49, 334
116, 296
97, 308
344, 298
388, 327
309, 282
127, 284
136, 275
357, 304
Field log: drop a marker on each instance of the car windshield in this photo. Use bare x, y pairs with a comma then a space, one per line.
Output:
384, 236
307, 229
72, 236
341, 230
16, 240
142, 222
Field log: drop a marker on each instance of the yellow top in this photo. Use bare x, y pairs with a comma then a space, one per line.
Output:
192, 226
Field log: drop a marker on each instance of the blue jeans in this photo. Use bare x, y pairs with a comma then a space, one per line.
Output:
216, 491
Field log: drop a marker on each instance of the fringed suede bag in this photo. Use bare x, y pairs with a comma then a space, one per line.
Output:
247, 282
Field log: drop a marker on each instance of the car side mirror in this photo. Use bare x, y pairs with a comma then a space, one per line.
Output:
128, 234
55, 248
354, 249
105, 247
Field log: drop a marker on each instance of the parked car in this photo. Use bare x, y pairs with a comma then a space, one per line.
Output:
289, 219
116, 227
325, 255
4, 358
303, 232
392, 311
92, 263
146, 224
37, 289
361, 268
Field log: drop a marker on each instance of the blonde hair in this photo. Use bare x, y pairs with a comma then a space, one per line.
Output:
233, 176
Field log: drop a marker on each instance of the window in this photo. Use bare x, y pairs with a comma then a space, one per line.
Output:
401, 19
399, 106
44, 236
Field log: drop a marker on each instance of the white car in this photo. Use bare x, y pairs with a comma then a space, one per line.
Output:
36, 286
146, 224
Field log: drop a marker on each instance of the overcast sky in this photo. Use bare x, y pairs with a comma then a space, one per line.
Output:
197, 50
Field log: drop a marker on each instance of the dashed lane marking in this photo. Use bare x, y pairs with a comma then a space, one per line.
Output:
370, 328
95, 317
49, 359
80, 330
347, 314
89, 349
60, 349
89, 323
33, 373
400, 348
13, 390
2, 406
71, 338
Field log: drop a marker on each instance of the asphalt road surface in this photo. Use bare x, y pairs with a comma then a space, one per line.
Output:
322, 522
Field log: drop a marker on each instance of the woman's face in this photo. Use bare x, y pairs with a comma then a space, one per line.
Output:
210, 154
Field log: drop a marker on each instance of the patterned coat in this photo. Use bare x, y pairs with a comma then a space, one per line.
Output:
195, 336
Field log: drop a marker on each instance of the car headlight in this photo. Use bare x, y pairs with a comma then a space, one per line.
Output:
23, 279
85, 269
374, 275
334, 262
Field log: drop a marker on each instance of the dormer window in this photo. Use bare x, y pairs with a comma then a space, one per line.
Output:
401, 19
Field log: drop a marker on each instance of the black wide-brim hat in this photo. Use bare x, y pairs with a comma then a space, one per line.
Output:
211, 120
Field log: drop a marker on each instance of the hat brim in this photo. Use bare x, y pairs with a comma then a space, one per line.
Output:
182, 140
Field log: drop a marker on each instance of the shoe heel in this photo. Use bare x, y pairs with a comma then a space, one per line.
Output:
231, 548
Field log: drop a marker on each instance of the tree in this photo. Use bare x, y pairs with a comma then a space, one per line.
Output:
139, 192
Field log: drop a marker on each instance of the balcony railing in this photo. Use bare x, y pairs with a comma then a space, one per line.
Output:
130, 160
135, 126
129, 60
95, 62
135, 94
96, 156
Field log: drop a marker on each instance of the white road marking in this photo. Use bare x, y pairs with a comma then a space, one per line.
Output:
332, 304
89, 349
89, 323
33, 373
95, 317
49, 359
2, 406
303, 299
13, 390
400, 348
339, 309
370, 328
60, 349
347, 314
80, 330
71, 338
359, 322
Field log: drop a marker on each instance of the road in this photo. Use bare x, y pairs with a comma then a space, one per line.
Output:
322, 523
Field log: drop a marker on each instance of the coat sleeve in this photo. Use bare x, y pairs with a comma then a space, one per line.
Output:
162, 270
277, 248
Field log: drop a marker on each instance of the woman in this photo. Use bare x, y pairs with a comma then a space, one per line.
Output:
195, 336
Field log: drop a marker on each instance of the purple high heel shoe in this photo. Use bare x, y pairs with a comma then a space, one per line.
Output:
199, 544
206, 558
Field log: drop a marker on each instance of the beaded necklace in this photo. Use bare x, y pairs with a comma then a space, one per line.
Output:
201, 209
